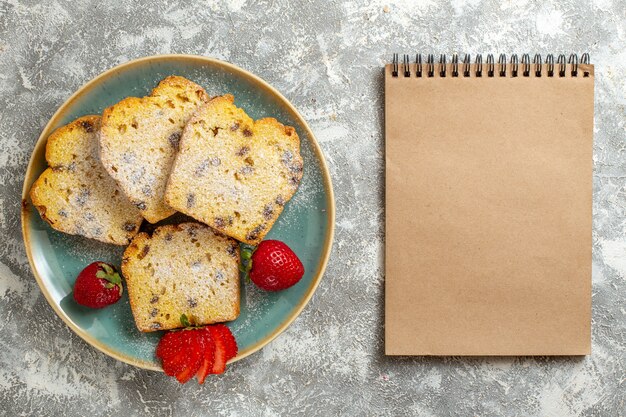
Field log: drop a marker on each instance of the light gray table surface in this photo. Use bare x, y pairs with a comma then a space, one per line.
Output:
326, 57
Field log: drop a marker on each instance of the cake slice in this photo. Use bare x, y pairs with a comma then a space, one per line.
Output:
140, 138
182, 269
75, 194
233, 173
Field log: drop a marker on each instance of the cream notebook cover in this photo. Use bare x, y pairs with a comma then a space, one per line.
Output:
488, 206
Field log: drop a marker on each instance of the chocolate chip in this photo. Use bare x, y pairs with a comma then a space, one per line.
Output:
154, 299
268, 211
220, 223
232, 249
129, 226
296, 167
191, 200
215, 131
154, 312
82, 197
254, 233
294, 181
247, 170
234, 126
87, 125
146, 190
144, 252
192, 231
174, 140
247, 132
243, 151
280, 200
287, 157
201, 169
141, 205
191, 302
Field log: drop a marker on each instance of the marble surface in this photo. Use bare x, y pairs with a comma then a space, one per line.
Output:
326, 57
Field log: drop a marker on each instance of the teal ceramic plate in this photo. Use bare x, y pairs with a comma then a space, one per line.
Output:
307, 224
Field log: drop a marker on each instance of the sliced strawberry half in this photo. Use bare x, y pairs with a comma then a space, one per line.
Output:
230, 344
209, 356
175, 364
195, 355
173, 352
171, 344
219, 359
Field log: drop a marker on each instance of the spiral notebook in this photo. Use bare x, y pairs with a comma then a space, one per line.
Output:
488, 205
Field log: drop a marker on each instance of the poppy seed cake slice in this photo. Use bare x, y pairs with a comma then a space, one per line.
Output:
140, 138
233, 173
182, 269
75, 194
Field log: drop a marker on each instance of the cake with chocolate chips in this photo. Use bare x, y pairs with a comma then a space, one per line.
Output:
188, 269
233, 173
75, 194
140, 137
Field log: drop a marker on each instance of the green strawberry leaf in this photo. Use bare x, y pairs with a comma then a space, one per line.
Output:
109, 274
184, 320
246, 260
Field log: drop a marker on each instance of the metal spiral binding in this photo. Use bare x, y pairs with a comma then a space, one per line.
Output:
502, 64
550, 63
430, 61
514, 65
526, 65
406, 67
441, 67
573, 59
490, 65
455, 65
394, 70
584, 59
466, 65
537, 62
418, 65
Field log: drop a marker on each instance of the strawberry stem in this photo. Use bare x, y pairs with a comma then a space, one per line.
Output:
246, 260
184, 320
108, 273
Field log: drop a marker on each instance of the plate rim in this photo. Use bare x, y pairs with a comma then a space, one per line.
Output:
26, 210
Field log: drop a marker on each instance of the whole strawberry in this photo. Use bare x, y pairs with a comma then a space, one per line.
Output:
98, 285
274, 266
